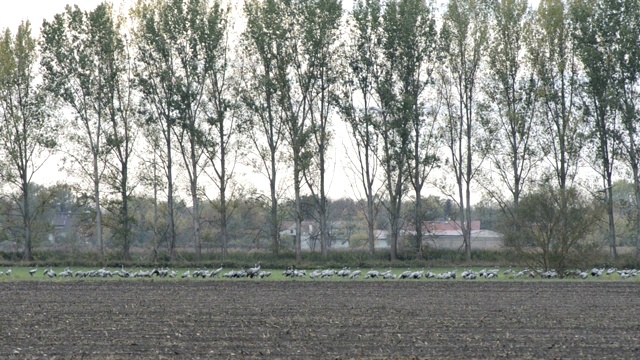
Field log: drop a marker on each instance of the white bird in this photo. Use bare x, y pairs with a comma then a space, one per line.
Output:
596, 272
372, 274
344, 272
328, 273
66, 273
254, 271
315, 273
299, 273
389, 275
8, 272
470, 275
216, 271
33, 271
288, 272
187, 274
50, 272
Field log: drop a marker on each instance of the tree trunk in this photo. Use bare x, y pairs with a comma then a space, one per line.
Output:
613, 253
418, 221
27, 221
298, 212
395, 224
96, 195
324, 238
156, 238
195, 215
170, 204
417, 183
370, 225
635, 167
223, 223
274, 223
223, 195
637, 187
126, 236
196, 220
369, 182
324, 244
124, 210
606, 171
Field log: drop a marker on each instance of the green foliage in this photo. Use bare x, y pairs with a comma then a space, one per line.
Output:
556, 77
238, 260
509, 118
28, 133
463, 41
551, 52
552, 228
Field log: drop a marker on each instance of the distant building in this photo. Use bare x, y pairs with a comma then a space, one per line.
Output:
448, 235
381, 239
63, 225
437, 235
309, 237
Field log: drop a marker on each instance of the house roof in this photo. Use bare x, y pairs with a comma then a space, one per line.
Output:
380, 234
62, 219
448, 225
307, 226
474, 233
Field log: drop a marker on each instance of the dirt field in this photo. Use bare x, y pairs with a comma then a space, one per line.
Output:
323, 320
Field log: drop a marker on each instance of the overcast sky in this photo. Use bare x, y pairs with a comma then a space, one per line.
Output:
13, 12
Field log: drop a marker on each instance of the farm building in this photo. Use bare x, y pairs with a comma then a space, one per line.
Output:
381, 239
339, 234
448, 235
310, 237
438, 235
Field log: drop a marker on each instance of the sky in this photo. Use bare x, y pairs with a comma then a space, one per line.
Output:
14, 12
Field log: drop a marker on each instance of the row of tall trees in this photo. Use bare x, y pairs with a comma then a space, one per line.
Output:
502, 98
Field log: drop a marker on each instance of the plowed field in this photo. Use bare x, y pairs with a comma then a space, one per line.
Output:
321, 320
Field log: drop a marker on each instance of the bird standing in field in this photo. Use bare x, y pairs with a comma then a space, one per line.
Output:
50, 273
216, 271
254, 271
33, 271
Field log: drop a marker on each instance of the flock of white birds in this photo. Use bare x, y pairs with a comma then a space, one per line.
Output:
345, 273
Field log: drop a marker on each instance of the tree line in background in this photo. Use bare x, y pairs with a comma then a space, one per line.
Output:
168, 100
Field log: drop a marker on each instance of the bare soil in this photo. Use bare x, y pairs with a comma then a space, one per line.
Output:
321, 320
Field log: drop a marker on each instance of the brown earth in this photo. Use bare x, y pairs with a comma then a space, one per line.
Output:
320, 320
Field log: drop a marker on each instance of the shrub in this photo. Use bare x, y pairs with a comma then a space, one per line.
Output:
551, 227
